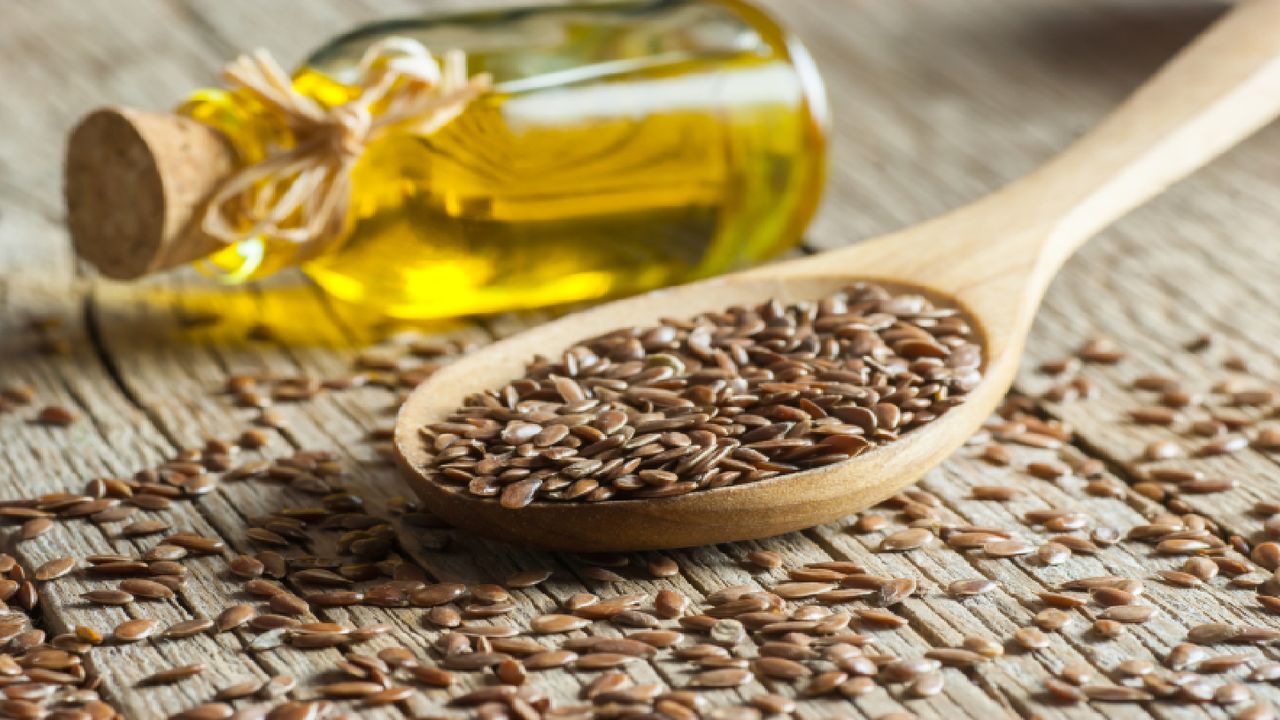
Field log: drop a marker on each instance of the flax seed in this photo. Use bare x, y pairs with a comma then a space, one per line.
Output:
905, 540
108, 597
970, 588
148, 589
56, 415
173, 674
55, 568
135, 630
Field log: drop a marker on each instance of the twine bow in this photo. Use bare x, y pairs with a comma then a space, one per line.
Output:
301, 193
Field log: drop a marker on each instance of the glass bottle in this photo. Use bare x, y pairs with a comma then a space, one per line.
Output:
624, 146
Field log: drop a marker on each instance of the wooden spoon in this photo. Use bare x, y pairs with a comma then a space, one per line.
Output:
995, 258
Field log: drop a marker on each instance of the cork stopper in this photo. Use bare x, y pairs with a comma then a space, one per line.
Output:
136, 186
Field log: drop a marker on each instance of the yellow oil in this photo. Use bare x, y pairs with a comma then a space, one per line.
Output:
622, 161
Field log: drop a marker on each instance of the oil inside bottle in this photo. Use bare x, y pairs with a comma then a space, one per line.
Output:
625, 146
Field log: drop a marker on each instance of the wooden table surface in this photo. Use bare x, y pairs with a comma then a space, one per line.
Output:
936, 102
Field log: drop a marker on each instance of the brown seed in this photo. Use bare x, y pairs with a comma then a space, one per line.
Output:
927, 684
1030, 638
766, 559
1161, 450
432, 676
173, 674
1231, 694
1222, 663
797, 590
1223, 445
1181, 546
55, 568
663, 566
234, 616
474, 661
207, 711
1136, 667
349, 689
135, 630
288, 604
725, 678
1077, 674
1212, 633
55, 415
1108, 596
246, 566
1052, 619
35, 527
904, 540
1000, 493
148, 589
1062, 691
970, 588
144, 527
1185, 655
771, 704
511, 672
956, 657
777, 667
670, 604
439, 594
1154, 415
240, 690
528, 578
188, 628
1008, 548
391, 695
554, 623
108, 597
602, 661
1129, 613
881, 617
1179, 578
1052, 553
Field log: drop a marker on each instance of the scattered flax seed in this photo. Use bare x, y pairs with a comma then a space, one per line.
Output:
970, 588
1154, 415
135, 630
1008, 548
1161, 450
1000, 493
662, 566
997, 454
1029, 638
528, 578
1101, 350
234, 616
55, 568
904, 540
108, 597
1108, 628
188, 628
55, 415
765, 559
173, 674
1223, 446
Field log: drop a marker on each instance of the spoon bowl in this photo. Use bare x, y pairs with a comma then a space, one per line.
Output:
992, 259
775, 505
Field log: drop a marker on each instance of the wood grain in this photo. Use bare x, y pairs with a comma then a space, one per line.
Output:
937, 103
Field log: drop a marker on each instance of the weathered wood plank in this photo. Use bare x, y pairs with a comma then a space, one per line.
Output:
918, 133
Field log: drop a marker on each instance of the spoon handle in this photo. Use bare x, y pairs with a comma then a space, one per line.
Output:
1221, 88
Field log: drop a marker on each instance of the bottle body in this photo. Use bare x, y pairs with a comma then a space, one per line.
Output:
625, 146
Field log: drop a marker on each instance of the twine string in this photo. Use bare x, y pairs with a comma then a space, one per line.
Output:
300, 194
